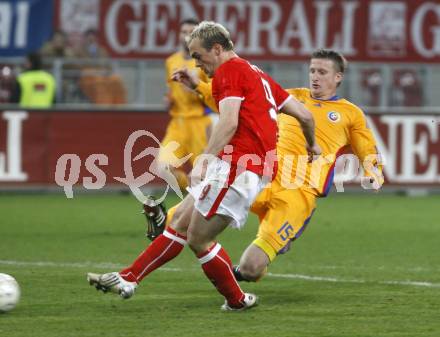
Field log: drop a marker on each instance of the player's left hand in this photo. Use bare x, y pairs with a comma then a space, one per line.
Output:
373, 179
186, 77
313, 152
372, 183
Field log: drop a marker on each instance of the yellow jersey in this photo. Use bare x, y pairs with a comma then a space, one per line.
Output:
184, 102
338, 124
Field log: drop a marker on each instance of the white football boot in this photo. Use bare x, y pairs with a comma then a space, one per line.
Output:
112, 282
250, 300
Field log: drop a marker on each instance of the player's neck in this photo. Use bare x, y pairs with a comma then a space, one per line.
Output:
324, 96
226, 56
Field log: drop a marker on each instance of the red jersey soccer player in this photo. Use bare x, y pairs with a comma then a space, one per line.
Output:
245, 135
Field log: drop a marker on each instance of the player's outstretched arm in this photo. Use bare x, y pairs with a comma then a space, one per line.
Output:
364, 147
297, 110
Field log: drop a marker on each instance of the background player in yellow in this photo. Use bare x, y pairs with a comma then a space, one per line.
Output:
287, 206
190, 121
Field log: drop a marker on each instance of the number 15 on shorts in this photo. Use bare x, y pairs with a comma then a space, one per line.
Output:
285, 231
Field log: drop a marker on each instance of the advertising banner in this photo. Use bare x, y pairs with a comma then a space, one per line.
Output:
95, 149
24, 25
32, 143
395, 31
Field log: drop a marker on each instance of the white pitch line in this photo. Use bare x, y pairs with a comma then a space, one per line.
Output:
315, 278
109, 265
338, 280
413, 283
417, 269
104, 265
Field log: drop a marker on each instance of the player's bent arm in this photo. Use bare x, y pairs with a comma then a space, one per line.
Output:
185, 77
205, 90
226, 126
192, 81
297, 110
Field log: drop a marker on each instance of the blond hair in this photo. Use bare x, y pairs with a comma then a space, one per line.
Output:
210, 33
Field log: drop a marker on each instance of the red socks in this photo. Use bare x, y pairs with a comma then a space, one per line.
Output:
215, 263
218, 268
163, 249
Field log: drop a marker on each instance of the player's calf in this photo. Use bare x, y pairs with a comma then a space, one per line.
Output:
253, 264
249, 273
238, 275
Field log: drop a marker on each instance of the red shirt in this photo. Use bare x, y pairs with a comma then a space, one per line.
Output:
254, 142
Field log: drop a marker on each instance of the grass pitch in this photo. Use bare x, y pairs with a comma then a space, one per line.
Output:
366, 266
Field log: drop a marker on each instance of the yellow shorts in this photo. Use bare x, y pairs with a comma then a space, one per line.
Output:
284, 214
190, 133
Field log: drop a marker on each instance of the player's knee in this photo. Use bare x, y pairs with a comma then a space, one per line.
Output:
195, 244
252, 271
176, 224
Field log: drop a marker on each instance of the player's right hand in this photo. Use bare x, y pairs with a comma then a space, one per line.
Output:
186, 77
313, 152
198, 173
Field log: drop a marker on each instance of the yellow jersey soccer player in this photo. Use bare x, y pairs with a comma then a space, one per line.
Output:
285, 209
287, 206
190, 123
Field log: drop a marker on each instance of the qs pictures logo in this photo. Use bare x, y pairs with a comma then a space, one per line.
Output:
69, 165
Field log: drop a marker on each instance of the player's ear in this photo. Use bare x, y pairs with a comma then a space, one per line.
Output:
217, 49
339, 77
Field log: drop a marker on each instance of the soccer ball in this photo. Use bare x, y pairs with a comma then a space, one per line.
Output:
9, 293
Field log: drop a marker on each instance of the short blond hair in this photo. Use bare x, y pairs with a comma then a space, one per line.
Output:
210, 33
